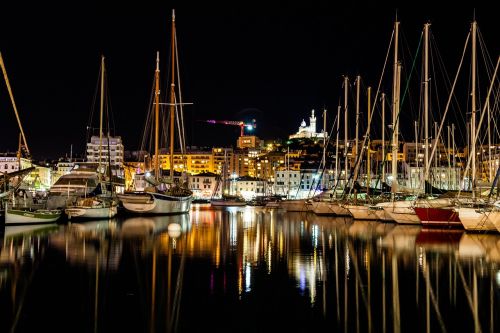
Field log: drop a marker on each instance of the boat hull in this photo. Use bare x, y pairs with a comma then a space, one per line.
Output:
91, 212
359, 212
155, 203
294, 205
323, 208
474, 219
438, 217
18, 216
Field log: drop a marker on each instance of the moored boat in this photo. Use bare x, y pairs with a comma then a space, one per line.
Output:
21, 215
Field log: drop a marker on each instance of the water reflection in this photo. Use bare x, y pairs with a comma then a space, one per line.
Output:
249, 269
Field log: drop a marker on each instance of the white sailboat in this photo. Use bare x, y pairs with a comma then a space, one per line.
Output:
227, 199
103, 205
163, 196
478, 215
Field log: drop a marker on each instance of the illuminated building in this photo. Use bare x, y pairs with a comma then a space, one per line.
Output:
308, 131
203, 184
250, 187
249, 141
114, 149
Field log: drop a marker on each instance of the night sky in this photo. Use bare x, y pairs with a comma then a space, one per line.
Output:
238, 62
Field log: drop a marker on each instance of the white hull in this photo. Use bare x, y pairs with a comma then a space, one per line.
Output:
340, 210
474, 219
381, 213
323, 208
362, 212
402, 212
91, 212
294, 205
155, 203
14, 216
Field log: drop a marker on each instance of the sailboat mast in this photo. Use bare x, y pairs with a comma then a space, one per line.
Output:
473, 108
157, 115
324, 139
490, 164
346, 148
395, 111
426, 100
337, 175
11, 95
383, 137
368, 166
101, 111
358, 85
172, 100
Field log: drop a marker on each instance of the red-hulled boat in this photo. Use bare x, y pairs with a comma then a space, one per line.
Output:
438, 217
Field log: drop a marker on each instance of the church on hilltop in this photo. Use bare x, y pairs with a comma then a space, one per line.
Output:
308, 131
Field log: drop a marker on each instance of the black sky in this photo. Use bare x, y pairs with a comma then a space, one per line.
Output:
270, 62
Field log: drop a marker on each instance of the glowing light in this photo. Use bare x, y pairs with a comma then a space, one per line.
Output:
248, 277
315, 233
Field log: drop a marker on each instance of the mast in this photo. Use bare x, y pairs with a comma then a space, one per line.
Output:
395, 111
368, 166
416, 152
172, 100
436, 143
453, 151
101, 108
490, 164
383, 137
473, 109
157, 117
324, 139
11, 95
358, 81
426, 100
337, 175
346, 161
448, 158
19, 153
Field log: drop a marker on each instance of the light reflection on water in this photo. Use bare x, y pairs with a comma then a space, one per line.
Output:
247, 269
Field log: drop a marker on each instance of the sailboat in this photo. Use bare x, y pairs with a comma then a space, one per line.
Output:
162, 196
28, 212
227, 199
102, 205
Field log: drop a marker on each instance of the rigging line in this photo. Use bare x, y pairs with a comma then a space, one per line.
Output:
401, 105
181, 133
321, 166
13, 102
406, 88
147, 122
448, 103
358, 158
92, 108
488, 64
481, 120
447, 81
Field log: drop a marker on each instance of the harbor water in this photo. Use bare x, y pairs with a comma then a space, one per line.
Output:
247, 269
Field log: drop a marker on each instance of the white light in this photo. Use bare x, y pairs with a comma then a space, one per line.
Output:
148, 174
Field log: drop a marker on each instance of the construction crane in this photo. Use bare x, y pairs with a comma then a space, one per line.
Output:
249, 126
